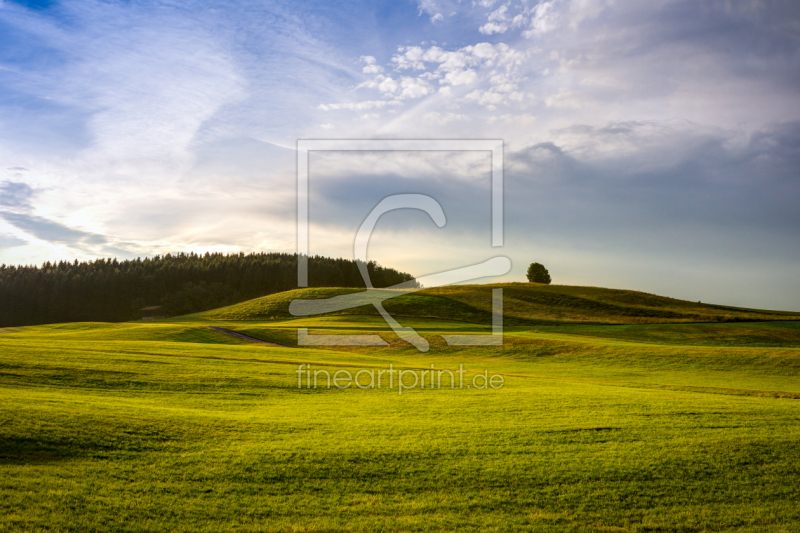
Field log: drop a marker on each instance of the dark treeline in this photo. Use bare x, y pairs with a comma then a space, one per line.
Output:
111, 290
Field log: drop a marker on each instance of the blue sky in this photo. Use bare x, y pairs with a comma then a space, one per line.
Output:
649, 145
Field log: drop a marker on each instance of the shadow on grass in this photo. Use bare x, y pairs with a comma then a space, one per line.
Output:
87, 441
23, 450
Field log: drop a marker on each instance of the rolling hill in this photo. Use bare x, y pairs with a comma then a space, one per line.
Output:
610, 401
523, 304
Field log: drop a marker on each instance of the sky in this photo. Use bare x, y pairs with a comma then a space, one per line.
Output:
651, 145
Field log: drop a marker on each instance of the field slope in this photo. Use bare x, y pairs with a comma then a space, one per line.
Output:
619, 411
524, 304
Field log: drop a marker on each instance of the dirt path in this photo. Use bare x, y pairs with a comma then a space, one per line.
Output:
246, 337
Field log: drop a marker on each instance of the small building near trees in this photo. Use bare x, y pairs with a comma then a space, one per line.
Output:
153, 312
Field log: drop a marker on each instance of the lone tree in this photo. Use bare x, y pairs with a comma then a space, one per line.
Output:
537, 273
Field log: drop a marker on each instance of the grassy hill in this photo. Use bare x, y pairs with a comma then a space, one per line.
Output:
636, 426
524, 304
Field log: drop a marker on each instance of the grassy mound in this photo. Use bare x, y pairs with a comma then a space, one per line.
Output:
524, 304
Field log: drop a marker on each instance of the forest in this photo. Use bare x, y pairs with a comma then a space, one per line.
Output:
114, 291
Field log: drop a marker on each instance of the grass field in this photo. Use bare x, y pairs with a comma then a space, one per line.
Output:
619, 411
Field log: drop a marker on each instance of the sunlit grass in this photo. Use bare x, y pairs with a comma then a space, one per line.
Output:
171, 426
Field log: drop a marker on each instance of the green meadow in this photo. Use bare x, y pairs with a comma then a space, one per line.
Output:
619, 411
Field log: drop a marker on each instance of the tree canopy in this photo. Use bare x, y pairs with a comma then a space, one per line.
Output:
112, 290
537, 273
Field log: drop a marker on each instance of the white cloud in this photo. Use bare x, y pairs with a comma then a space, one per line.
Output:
499, 15
450, 61
492, 27
360, 106
429, 76
502, 83
580, 10
372, 69
499, 63
460, 77
544, 20
564, 99
435, 8
409, 58
485, 98
481, 54
442, 119
497, 55
523, 119
405, 87
414, 88
388, 85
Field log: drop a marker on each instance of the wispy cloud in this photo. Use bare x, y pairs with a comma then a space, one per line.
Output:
50, 231
10, 241
16, 195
